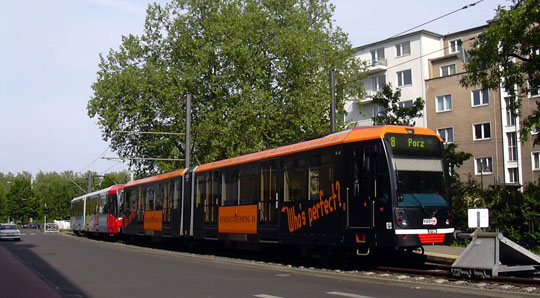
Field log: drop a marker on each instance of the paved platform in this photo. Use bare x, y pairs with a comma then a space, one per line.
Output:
443, 254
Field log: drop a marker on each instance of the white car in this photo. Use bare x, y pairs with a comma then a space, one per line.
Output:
9, 231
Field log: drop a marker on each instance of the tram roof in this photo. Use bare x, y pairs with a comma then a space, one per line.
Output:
348, 136
109, 190
177, 173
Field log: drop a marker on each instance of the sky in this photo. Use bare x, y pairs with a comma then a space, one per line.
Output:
49, 55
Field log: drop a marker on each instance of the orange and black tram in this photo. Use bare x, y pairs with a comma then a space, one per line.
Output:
364, 188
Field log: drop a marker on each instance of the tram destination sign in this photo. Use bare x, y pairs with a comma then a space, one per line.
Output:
414, 145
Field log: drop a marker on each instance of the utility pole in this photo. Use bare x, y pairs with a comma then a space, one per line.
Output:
333, 104
188, 131
89, 183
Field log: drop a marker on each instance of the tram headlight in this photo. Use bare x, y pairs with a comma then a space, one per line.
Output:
404, 222
447, 222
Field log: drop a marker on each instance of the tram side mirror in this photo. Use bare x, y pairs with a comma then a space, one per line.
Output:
400, 198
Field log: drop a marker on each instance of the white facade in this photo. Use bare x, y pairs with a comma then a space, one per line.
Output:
401, 61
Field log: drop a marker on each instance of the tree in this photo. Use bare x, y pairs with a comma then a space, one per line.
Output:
20, 198
507, 54
394, 113
5, 181
455, 158
257, 69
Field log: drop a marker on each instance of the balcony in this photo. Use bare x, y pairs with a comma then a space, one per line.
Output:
377, 66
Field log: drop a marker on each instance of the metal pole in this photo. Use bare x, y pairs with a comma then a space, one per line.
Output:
45, 219
188, 130
333, 105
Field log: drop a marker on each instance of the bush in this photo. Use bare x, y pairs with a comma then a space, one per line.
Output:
514, 213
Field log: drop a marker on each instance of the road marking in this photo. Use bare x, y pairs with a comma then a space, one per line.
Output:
348, 295
266, 296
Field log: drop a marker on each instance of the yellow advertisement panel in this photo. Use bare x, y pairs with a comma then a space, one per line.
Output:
152, 220
238, 219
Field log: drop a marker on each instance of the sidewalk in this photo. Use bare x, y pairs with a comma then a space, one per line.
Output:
16, 280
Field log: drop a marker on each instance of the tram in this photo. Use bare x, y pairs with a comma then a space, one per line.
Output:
98, 212
355, 190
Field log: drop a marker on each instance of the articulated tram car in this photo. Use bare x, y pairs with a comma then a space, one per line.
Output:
370, 187
98, 212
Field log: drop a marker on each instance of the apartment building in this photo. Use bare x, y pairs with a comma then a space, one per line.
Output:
429, 65
401, 61
479, 121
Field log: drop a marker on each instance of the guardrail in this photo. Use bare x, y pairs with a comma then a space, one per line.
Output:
50, 227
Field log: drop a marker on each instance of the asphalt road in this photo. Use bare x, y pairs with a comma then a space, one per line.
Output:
78, 267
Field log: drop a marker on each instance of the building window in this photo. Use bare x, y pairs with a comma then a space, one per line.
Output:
447, 134
404, 78
378, 109
444, 103
405, 104
512, 146
403, 49
483, 165
533, 90
510, 115
479, 97
535, 161
454, 46
376, 56
481, 131
378, 82
448, 70
512, 175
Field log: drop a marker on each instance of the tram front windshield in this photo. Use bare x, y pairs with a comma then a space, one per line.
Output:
418, 164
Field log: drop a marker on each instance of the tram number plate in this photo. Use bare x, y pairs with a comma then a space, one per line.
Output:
432, 231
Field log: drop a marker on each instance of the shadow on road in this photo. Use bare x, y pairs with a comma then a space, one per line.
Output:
23, 253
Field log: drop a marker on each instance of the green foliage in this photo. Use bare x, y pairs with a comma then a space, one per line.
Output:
22, 199
507, 54
516, 214
5, 181
257, 69
454, 158
394, 114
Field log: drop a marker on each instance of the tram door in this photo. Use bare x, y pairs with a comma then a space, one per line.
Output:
361, 196
268, 200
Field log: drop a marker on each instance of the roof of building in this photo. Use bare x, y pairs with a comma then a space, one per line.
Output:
420, 32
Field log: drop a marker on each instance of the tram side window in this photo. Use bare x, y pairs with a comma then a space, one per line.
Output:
208, 199
103, 208
201, 188
321, 174
176, 194
140, 204
133, 196
295, 180
158, 197
247, 186
213, 190
111, 205
149, 198
229, 187
127, 202
362, 172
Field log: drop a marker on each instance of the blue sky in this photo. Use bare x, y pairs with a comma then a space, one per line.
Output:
49, 55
